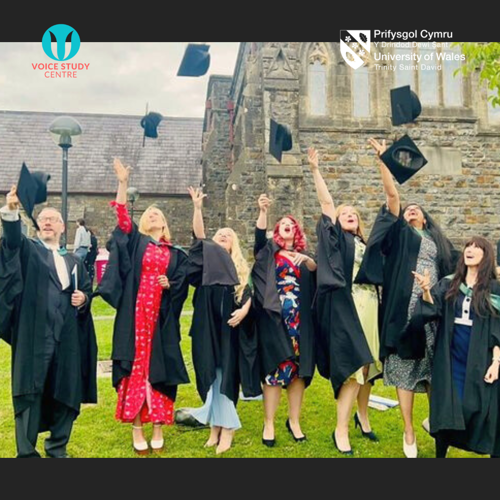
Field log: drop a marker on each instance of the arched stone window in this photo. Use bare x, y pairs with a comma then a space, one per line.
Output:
317, 79
361, 107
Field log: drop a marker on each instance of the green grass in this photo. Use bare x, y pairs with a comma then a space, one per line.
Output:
97, 434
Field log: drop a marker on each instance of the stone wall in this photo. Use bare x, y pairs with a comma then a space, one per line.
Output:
462, 192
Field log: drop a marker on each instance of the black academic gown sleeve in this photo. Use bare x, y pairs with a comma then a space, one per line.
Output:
248, 355
275, 345
391, 256
342, 348
24, 306
425, 312
119, 288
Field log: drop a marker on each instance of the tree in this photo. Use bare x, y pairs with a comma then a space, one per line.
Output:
485, 58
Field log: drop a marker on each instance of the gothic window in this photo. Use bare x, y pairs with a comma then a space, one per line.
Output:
452, 84
317, 79
361, 93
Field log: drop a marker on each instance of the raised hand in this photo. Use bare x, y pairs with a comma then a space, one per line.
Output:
379, 148
122, 172
264, 203
12, 199
197, 196
313, 158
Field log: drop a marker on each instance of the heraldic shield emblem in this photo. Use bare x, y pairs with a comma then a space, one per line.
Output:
354, 45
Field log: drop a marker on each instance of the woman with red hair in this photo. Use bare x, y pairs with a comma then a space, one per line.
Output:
284, 282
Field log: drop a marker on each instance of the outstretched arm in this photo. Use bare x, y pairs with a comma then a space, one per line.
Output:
324, 196
198, 226
122, 174
12, 223
264, 204
393, 200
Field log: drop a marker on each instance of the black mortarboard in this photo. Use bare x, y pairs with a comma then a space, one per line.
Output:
406, 107
280, 140
32, 190
150, 124
404, 159
196, 60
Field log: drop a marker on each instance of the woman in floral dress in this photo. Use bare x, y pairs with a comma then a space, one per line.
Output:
146, 281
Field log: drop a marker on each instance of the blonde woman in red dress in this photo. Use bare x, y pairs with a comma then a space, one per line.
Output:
146, 281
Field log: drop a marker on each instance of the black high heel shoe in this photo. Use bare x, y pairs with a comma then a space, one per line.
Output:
346, 453
270, 443
368, 435
297, 440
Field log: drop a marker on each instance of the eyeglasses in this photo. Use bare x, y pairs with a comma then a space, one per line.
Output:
52, 220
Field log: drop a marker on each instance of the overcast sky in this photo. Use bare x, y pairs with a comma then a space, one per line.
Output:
121, 79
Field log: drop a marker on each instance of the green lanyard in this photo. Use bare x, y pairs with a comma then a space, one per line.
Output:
495, 299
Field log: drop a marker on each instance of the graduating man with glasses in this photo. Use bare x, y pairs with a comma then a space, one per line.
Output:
45, 317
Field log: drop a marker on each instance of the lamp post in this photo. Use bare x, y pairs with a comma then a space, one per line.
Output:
65, 133
132, 197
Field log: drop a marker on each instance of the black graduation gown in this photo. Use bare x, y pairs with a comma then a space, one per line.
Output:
215, 343
119, 288
391, 256
342, 348
275, 344
24, 278
474, 423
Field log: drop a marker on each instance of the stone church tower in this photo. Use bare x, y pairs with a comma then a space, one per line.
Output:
309, 87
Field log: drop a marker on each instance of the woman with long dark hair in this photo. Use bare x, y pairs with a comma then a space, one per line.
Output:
348, 346
284, 280
465, 391
402, 241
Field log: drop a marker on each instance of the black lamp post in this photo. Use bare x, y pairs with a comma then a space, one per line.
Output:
65, 132
132, 197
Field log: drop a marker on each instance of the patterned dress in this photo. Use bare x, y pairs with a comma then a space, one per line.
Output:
136, 396
288, 285
411, 375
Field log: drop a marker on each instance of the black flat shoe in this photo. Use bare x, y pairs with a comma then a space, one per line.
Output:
346, 453
297, 440
270, 443
368, 435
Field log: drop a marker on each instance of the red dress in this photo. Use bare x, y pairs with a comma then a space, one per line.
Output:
135, 393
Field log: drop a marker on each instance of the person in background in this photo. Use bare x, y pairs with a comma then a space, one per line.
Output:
82, 240
92, 256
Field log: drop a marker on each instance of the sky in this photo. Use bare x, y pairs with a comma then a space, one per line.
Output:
121, 78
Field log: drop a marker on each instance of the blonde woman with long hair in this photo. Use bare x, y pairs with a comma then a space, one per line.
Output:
222, 333
146, 281
348, 337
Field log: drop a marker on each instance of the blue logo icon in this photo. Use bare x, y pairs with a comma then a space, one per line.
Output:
61, 42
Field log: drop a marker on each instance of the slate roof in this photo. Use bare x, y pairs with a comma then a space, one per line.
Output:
166, 165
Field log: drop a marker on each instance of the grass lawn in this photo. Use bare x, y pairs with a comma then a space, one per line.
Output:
97, 434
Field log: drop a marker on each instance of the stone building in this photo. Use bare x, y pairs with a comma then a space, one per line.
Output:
308, 86
162, 170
